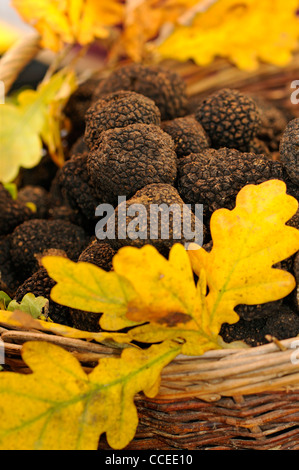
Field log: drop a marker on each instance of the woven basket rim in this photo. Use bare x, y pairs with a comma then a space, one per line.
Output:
230, 372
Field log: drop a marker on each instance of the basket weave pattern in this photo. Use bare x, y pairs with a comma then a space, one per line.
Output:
225, 400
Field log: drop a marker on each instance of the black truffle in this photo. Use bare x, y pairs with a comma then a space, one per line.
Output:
13, 213
78, 147
214, 177
74, 188
296, 273
119, 109
98, 253
156, 215
36, 196
41, 175
283, 325
34, 238
251, 332
130, 158
9, 279
230, 118
273, 123
250, 312
165, 87
289, 150
41, 284
188, 135
259, 147
77, 106
296, 267
85, 321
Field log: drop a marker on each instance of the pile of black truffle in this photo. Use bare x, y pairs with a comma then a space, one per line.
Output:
137, 134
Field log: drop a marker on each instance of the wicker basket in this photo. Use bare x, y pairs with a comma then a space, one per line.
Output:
226, 399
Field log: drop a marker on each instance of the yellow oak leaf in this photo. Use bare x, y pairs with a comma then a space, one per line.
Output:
246, 33
100, 292
247, 242
21, 319
158, 298
169, 305
60, 407
159, 281
144, 20
34, 116
70, 21
9, 35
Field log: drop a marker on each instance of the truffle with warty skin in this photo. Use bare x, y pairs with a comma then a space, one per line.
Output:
253, 312
13, 212
230, 118
36, 238
214, 177
77, 106
188, 135
119, 109
73, 188
41, 284
273, 122
165, 87
98, 253
127, 159
37, 198
259, 147
296, 274
282, 324
156, 215
249, 313
79, 147
41, 175
101, 255
289, 150
250, 332
9, 278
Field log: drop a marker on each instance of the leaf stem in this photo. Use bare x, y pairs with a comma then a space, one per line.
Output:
57, 62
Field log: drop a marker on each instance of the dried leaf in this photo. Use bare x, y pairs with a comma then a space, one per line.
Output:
59, 407
247, 242
246, 33
4, 300
143, 288
159, 298
34, 115
100, 292
70, 21
21, 319
169, 304
30, 304
8, 36
144, 20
